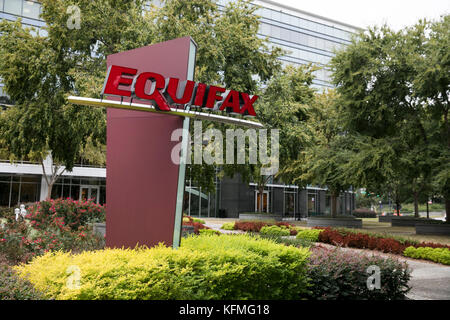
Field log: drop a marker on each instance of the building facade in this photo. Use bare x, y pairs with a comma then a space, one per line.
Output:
307, 38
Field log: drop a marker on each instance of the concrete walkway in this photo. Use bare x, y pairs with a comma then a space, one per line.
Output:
429, 281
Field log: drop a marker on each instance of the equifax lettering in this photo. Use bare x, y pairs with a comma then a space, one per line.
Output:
167, 92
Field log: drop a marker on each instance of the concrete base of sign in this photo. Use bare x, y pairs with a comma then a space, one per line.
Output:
99, 228
433, 229
187, 230
333, 222
405, 221
250, 216
385, 218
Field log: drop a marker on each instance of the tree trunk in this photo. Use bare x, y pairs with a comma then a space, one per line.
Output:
397, 210
333, 205
49, 191
416, 204
447, 210
428, 211
261, 198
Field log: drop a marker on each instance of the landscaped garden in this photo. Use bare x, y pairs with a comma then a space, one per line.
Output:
344, 237
269, 261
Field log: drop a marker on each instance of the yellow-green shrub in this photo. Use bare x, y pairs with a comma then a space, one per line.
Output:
204, 267
227, 226
440, 255
274, 231
309, 234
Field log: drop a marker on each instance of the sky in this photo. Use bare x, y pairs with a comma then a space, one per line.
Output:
362, 13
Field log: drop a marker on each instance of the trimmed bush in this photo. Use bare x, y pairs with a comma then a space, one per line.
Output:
228, 226
12, 287
208, 232
440, 255
309, 234
362, 241
232, 267
250, 226
274, 231
337, 275
256, 225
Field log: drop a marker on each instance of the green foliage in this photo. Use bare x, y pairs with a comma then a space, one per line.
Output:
440, 255
208, 232
393, 90
204, 267
198, 220
324, 156
228, 226
309, 234
274, 231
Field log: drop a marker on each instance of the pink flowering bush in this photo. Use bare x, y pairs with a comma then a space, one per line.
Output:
68, 212
61, 224
339, 275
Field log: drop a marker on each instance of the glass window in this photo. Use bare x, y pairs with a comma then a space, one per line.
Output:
265, 29
13, 6
4, 193
275, 32
276, 15
31, 9
29, 192
1, 5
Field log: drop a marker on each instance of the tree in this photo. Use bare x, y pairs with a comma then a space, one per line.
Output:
40, 72
325, 155
384, 104
230, 54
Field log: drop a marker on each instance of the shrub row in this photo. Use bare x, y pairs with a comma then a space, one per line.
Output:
255, 226
362, 241
232, 267
440, 255
337, 275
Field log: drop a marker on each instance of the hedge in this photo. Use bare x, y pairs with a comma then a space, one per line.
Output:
440, 255
228, 226
232, 267
274, 231
309, 234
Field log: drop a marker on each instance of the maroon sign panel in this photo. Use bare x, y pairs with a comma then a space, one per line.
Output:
141, 179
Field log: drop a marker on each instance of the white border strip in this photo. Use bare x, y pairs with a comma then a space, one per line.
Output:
149, 108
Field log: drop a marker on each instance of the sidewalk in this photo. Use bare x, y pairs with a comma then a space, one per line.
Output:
429, 281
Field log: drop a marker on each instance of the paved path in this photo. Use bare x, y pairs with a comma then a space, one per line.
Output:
429, 281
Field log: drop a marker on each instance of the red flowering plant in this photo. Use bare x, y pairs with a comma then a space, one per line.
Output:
61, 224
72, 213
